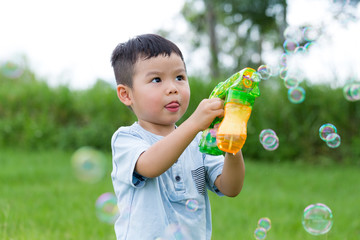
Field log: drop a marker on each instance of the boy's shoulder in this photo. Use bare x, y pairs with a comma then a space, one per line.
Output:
135, 130
132, 129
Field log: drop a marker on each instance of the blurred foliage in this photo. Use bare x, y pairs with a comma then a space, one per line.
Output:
235, 31
36, 116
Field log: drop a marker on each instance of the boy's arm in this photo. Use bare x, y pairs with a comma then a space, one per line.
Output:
164, 153
231, 180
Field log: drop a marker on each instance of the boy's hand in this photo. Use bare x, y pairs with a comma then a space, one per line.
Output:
206, 112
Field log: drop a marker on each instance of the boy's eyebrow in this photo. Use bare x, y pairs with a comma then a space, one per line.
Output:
177, 71
153, 73
180, 70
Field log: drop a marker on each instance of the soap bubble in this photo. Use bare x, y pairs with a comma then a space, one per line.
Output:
264, 71
260, 233
311, 34
271, 142
88, 164
290, 45
106, 208
317, 219
192, 205
333, 140
352, 91
264, 223
264, 133
300, 50
355, 91
13, 68
269, 139
284, 59
283, 72
291, 82
255, 77
325, 130
308, 45
296, 95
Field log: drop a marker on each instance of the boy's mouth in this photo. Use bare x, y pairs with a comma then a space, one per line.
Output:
172, 106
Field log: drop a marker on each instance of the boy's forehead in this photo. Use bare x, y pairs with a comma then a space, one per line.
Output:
145, 60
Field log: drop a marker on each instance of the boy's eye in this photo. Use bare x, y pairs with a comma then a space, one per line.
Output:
179, 78
156, 80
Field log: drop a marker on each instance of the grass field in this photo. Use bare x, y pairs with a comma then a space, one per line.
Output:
41, 199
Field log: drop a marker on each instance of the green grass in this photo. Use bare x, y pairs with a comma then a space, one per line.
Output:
41, 199
281, 191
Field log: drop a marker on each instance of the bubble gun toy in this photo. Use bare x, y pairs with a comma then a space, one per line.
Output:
228, 134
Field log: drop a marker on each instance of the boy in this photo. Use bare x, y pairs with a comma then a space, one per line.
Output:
157, 166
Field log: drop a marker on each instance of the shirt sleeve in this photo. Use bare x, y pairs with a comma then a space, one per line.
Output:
213, 167
126, 149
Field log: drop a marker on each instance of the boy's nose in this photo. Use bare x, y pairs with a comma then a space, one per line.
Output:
172, 88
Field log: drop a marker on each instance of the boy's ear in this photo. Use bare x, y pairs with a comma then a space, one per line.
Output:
124, 94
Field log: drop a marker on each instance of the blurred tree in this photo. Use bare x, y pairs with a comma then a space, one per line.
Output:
236, 31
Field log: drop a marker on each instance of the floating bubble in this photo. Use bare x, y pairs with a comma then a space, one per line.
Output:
311, 34
355, 91
296, 94
264, 223
106, 208
264, 133
269, 139
271, 142
13, 68
192, 205
283, 72
325, 130
88, 164
290, 45
284, 59
352, 92
255, 77
317, 219
300, 50
264, 71
333, 140
308, 45
291, 82
260, 233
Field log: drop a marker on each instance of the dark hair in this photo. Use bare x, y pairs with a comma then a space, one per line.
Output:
126, 54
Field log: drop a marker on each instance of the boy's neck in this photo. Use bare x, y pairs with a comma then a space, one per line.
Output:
158, 129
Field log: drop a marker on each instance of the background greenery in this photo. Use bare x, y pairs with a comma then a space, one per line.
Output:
36, 116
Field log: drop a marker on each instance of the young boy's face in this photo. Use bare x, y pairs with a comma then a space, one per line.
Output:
160, 93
